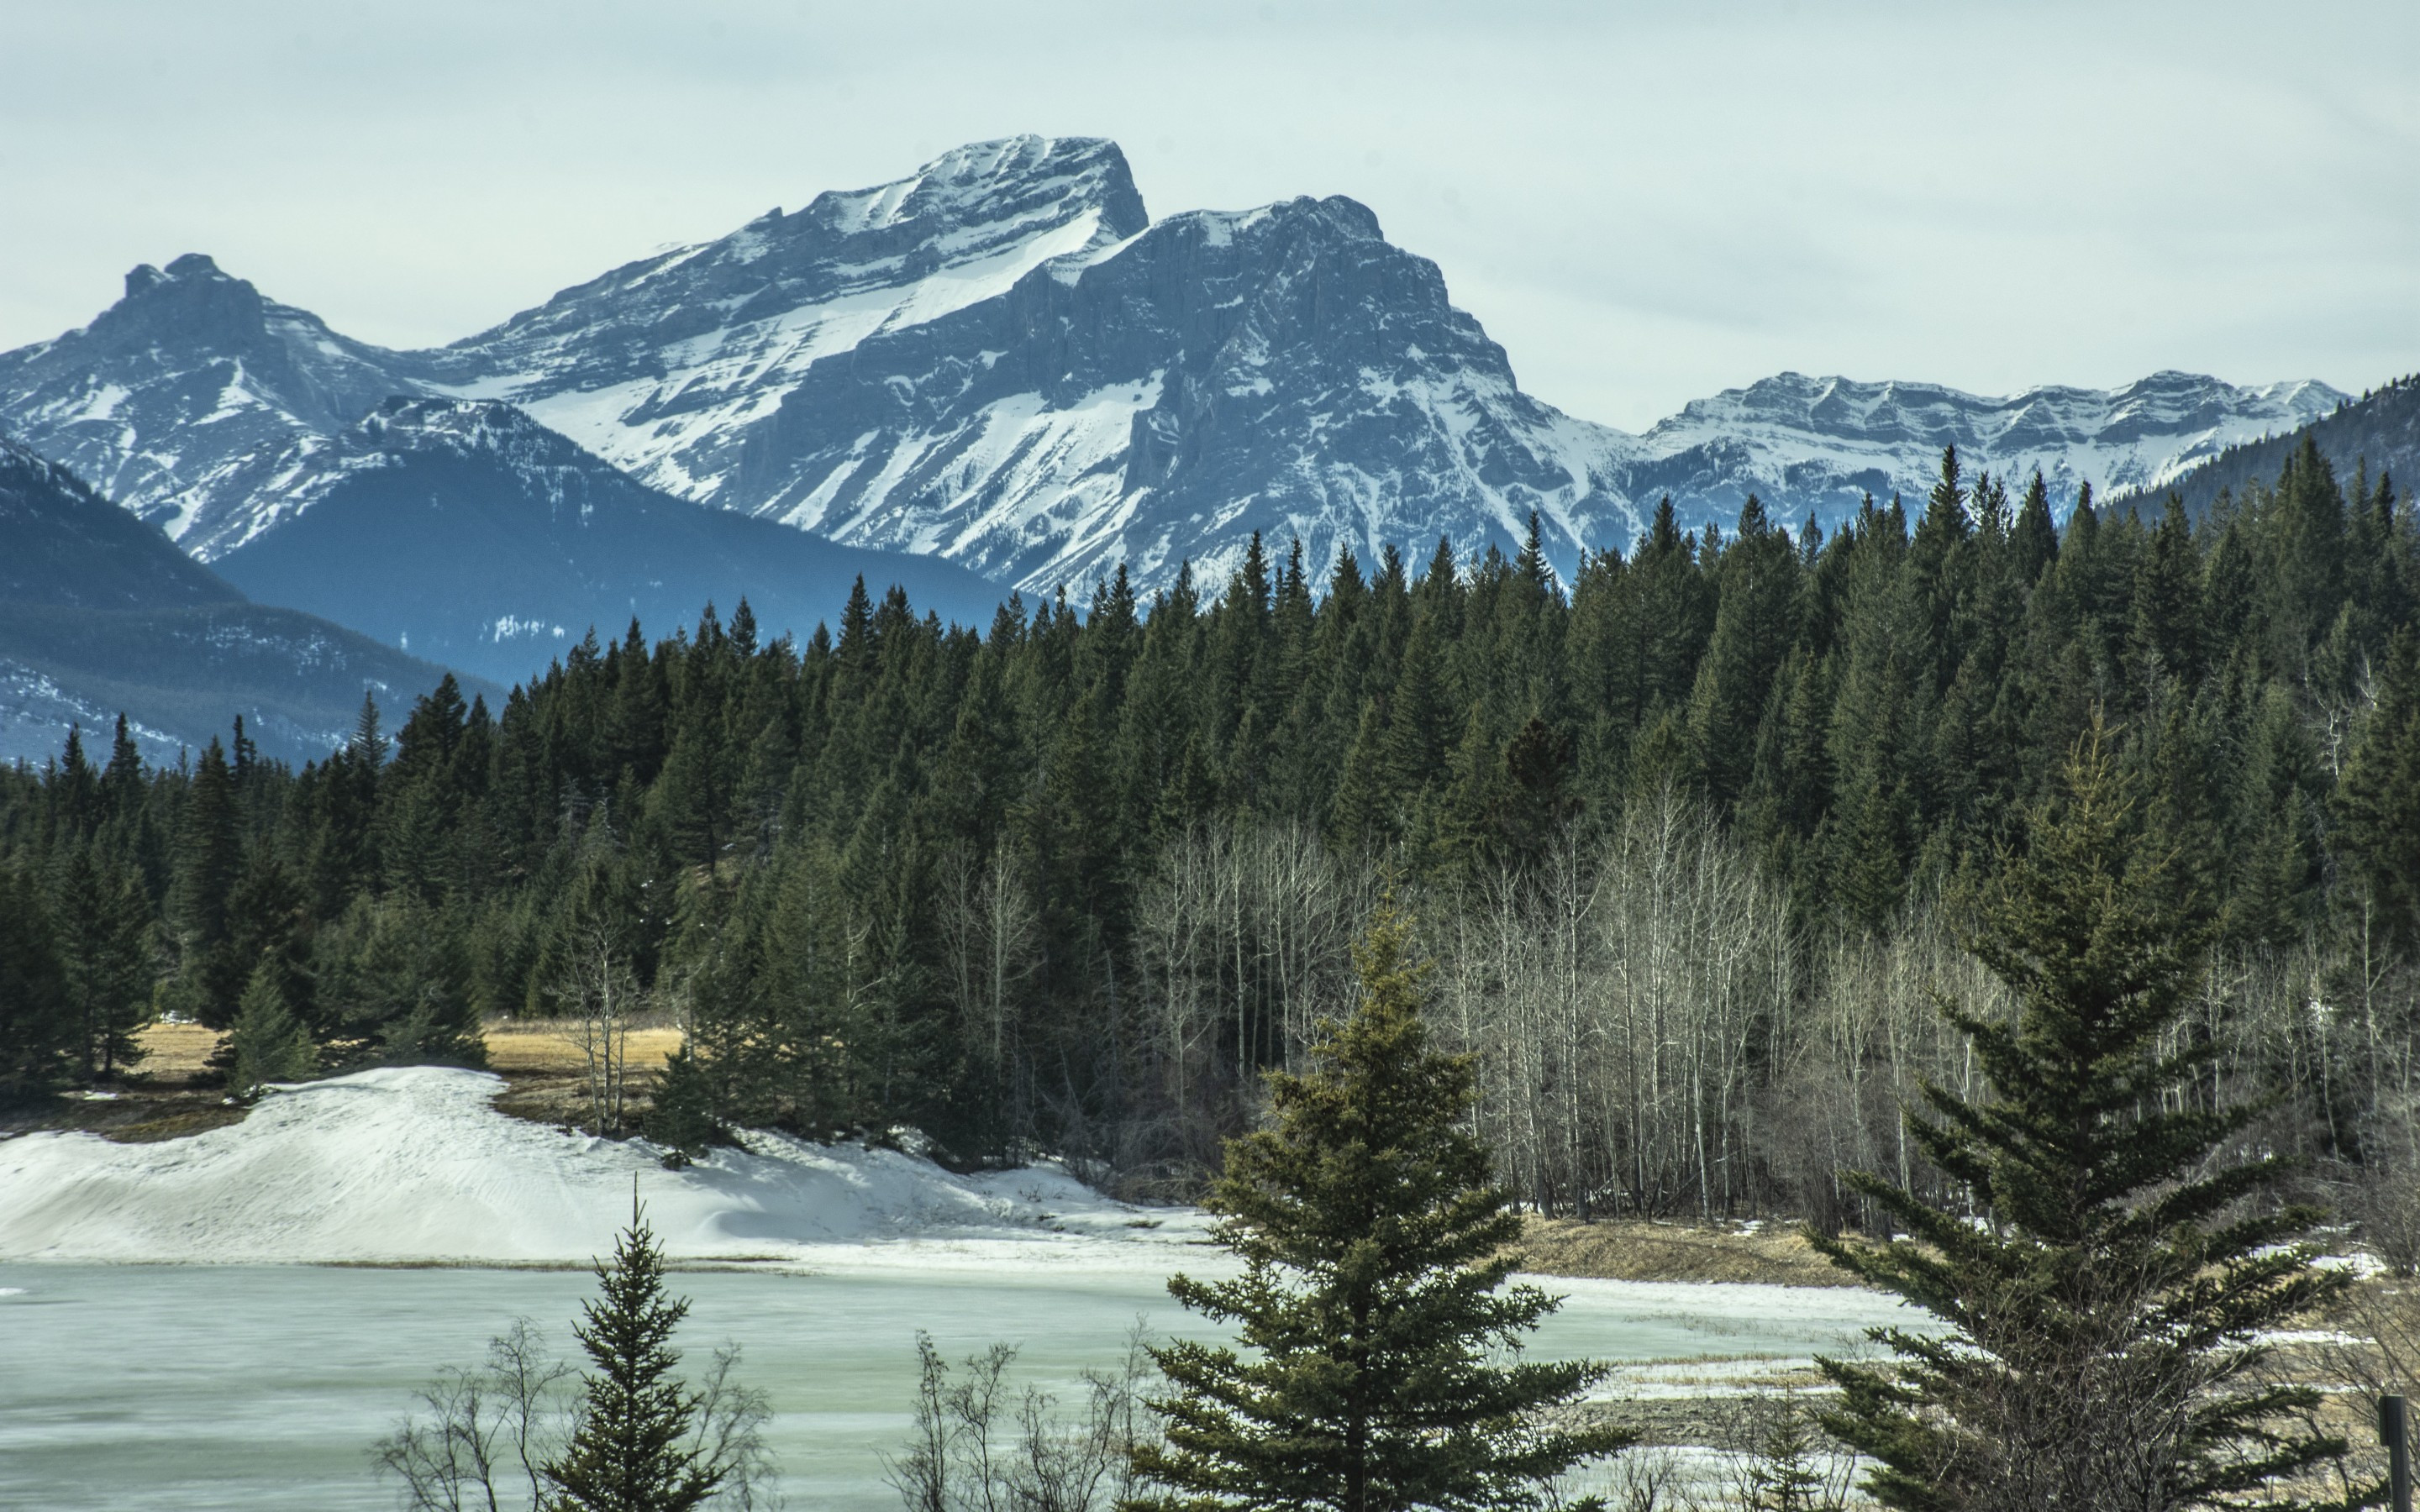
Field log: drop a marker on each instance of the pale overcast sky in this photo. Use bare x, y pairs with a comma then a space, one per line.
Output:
1643, 203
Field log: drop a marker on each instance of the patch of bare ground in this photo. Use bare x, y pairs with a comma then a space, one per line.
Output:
170, 1093
133, 1114
1640, 1249
1736, 1421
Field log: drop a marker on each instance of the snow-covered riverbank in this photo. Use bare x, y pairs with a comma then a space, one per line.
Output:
413, 1165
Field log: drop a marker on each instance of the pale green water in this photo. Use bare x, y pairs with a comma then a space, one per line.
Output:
135, 1387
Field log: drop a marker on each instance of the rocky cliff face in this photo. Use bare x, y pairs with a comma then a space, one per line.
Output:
1286, 370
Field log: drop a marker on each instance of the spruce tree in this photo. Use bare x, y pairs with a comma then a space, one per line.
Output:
2378, 799
37, 1022
269, 1042
1372, 1299
2105, 1285
210, 856
105, 939
632, 1448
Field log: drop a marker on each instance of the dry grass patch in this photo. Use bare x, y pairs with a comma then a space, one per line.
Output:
177, 1052
1638, 1249
527, 1048
174, 1052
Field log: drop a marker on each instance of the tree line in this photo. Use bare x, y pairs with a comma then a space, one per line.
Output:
1691, 835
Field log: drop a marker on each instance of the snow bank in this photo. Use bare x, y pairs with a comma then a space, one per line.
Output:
413, 1165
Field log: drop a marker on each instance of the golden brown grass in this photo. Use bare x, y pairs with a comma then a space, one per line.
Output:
1638, 1249
524, 1048
174, 1052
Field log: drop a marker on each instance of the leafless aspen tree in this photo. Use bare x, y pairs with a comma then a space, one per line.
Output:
597, 995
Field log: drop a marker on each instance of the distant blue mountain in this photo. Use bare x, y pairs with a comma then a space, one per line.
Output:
102, 616
466, 531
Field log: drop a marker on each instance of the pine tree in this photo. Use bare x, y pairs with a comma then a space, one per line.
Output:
2378, 800
1373, 1295
2167, 598
2105, 1287
210, 856
1788, 1472
105, 938
269, 1042
632, 1448
2033, 540
36, 1019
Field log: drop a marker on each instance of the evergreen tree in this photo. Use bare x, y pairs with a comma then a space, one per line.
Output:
1788, 1473
2378, 800
1373, 1295
269, 1042
210, 856
631, 1449
2106, 1286
37, 1021
105, 938
2033, 540
1756, 622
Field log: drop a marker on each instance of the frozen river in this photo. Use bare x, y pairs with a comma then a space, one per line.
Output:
152, 1386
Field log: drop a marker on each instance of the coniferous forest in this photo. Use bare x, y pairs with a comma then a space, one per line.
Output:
1694, 840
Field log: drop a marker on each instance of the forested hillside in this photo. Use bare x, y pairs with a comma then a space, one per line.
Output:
2376, 434
1691, 839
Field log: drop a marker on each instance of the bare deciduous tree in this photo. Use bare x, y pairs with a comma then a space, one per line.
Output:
977, 1446
597, 995
489, 1428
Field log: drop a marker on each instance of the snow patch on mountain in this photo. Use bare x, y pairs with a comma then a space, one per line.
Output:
1815, 443
660, 366
37, 713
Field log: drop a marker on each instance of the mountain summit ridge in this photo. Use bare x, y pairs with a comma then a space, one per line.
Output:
1002, 361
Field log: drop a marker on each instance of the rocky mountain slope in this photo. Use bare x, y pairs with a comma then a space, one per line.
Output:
1817, 445
2380, 432
1002, 360
101, 614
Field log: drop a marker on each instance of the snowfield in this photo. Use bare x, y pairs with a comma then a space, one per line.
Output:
413, 1165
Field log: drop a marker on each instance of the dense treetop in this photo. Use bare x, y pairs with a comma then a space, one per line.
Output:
898, 873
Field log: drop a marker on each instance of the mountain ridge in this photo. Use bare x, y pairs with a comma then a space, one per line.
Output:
2379, 432
1002, 360
465, 530
102, 616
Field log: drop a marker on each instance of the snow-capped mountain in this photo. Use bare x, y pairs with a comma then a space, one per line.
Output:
663, 366
1817, 445
190, 399
1002, 360
466, 531
2376, 435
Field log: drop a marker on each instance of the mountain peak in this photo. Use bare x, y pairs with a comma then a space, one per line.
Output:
977, 196
1075, 169
192, 292
193, 266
